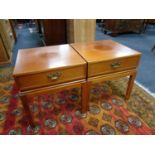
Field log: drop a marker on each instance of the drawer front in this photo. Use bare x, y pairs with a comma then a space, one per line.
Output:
112, 66
27, 82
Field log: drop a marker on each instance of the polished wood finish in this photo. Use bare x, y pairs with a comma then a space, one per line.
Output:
130, 85
37, 60
111, 66
35, 66
85, 95
48, 69
53, 88
103, 50
111, 76
107, 56
51, 69
108, 59
31, 81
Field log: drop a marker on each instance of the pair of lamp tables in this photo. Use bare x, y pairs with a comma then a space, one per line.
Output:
54, 68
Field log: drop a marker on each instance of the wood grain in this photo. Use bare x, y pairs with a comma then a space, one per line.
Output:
41, 59
81, 30
105, 67
103, 50
32, 81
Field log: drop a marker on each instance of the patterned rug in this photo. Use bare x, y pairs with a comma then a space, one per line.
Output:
60, 113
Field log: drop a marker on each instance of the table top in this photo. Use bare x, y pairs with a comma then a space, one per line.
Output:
40, 59
103, 50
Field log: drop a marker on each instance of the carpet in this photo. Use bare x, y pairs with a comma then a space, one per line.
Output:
59, 113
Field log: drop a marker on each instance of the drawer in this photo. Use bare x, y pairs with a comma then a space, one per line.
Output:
48, 78
112, 66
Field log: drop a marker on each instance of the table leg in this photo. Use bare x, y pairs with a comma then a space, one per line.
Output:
130, 85
85, 96
27, 110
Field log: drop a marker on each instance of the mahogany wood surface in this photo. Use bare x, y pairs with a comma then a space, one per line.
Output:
107, 56
111, 76
103, 50
48, 66
130, 85
53, 88
108, 59
41, 59
85, 96
106, 67
53, 68
37, 80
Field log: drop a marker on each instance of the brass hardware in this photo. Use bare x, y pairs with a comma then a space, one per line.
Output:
54, 76
115, 65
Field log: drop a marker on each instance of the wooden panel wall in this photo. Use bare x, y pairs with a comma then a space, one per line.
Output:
81, 30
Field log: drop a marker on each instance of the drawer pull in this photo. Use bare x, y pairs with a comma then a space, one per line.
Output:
54, 76
116, 65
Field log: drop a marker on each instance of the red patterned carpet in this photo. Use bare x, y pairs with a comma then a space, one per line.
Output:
60, 113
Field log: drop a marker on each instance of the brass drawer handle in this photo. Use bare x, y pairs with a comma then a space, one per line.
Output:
54, 76
116, 65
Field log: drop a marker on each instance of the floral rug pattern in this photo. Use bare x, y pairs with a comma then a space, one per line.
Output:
60, 113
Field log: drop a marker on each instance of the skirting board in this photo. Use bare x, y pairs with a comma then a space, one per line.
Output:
146, 89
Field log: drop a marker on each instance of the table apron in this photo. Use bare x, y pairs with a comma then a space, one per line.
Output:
112, 76
52, 89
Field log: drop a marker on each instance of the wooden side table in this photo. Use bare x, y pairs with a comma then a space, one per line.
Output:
53, 68
49, 69
108, 60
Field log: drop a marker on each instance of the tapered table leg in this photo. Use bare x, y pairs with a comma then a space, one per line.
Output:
130, 85
85, 96
27, 110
